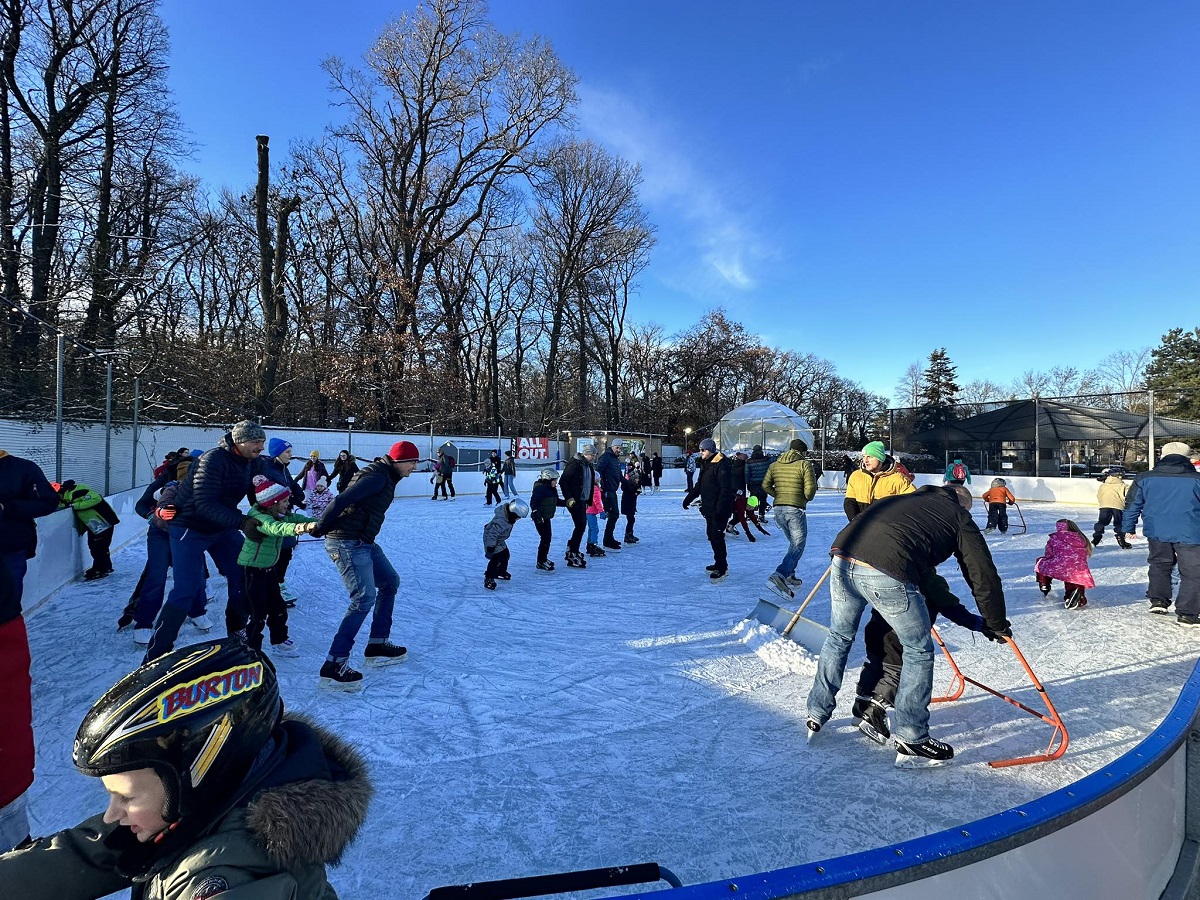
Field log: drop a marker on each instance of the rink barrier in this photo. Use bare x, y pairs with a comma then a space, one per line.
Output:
1129, 830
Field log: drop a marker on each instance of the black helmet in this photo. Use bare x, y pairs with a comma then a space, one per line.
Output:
198, 716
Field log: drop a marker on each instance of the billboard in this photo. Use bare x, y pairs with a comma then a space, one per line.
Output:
532, 448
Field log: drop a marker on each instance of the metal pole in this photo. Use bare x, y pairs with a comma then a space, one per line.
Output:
137, 402
58, 411
108, 429
1037, 441
1150, 414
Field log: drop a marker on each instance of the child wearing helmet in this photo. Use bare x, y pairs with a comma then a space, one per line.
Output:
543, 502
211, 789
998, 499
495, 540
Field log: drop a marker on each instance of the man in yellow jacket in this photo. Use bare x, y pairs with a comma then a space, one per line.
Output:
790, 480
877, 476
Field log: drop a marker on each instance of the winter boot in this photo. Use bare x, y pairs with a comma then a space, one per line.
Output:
338, 676
919, 755
383, 653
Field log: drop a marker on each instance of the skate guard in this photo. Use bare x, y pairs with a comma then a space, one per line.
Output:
958, 683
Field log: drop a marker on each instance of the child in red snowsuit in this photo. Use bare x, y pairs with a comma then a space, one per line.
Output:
1066, 558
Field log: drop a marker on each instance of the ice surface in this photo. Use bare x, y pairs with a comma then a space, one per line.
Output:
628, 712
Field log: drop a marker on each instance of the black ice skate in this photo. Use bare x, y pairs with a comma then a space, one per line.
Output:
922, 754
546, 566
338, 676
383, 653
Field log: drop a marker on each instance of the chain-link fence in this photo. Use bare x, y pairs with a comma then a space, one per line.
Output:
1046, 436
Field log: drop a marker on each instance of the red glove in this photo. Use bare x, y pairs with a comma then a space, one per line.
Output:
166, 513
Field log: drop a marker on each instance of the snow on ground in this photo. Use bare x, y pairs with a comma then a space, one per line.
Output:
628, 712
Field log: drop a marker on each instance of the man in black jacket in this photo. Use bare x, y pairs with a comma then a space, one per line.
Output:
714, 487
879, 559
612, 476
207, 520
576, 483
350, 525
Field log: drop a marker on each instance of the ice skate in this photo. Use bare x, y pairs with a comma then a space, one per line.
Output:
384, 653
777, 584
922, 754
338, 676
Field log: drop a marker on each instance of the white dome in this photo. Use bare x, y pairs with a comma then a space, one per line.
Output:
763, 422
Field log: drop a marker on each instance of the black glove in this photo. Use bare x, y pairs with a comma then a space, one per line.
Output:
250, 528
998, 635
685, 505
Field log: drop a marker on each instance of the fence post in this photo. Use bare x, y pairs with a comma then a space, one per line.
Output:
1150, 413
137, 402
58, 409
108, 428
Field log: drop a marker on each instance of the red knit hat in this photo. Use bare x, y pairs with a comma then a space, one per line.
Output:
403, 451
267, 491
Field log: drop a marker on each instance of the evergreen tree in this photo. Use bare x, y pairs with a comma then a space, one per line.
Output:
1174, 365
940, 384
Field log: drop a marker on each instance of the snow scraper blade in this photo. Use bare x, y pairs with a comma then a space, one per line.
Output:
805, 632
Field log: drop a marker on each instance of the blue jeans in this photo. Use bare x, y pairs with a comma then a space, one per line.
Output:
372, 583
794, 523
188, 547
14, 822
852, 587
593, 527
154, 581
510, 486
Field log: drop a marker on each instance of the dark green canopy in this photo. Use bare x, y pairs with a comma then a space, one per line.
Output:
1057, 421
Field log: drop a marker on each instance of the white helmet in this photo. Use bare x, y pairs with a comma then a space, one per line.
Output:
519, 508
548, 475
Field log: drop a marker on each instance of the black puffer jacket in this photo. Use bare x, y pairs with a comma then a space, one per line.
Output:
908, 535
715, 488
216, 483
278, 472
357, 513
25, 495
302, 808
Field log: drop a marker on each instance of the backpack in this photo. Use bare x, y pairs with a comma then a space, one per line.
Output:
959, 471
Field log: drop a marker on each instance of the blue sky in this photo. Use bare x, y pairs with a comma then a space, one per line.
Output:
1017, 182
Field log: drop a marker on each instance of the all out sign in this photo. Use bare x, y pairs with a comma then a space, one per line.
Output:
532, 447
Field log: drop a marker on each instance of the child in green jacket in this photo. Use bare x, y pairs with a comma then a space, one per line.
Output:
259, 559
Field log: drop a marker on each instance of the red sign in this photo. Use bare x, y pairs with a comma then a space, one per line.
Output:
532, 448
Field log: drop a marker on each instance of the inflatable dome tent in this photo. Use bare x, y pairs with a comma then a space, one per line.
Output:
765, 422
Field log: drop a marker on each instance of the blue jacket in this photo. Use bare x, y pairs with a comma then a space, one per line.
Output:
609, 468
1168, 497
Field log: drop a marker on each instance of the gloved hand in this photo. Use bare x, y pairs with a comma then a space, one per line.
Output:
250, 528
571, 503
998, 635
305, 527
741, 493
1011, 502
488, 552
686, 505
166, 513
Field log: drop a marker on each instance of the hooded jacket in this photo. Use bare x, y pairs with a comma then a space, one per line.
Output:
1169, 498
306, 806
497, 530
273, 531
1112, 493
1066, 557
863, 488
907, 536
791, 480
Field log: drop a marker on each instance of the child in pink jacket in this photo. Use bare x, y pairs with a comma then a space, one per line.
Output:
1066, 558
595, 508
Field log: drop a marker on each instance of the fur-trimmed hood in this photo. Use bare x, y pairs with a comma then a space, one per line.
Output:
312, 820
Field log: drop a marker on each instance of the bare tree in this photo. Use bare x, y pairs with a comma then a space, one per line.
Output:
910, 386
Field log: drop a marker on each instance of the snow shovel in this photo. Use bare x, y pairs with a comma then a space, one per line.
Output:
805, 632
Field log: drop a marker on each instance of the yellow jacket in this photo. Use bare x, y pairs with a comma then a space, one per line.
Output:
865, 488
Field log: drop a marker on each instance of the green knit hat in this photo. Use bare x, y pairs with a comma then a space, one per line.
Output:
875, 449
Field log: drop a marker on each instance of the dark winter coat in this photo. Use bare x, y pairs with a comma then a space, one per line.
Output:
737, 472
510, 465
908, 535
543, 501
278, 472
300, 811
357, 513
715, 488
25, 495
608, 467
148, 502
344, 469
577, 479
756, 469
207, 501
629, 498
312, 465
656, 465
1168, 497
